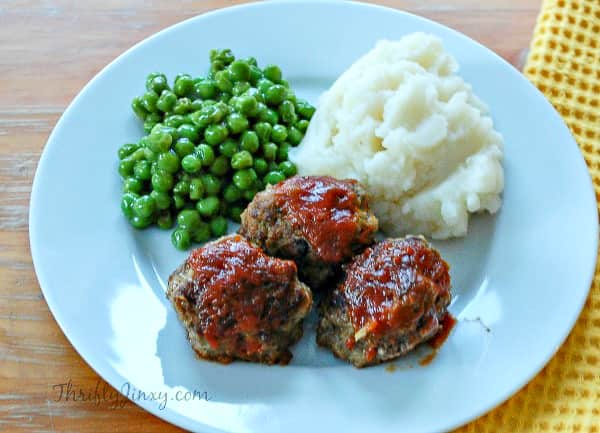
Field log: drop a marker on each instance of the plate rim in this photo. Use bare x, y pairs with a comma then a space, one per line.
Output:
112, 376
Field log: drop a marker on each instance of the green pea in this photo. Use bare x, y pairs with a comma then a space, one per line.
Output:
279, 133
131, 184
288, 168
269, 116
246, 104
188, 131
284, 83
283, 151
138, 108
188, 219
302, 125
178, 201
216, 134
232, 193
162, 199
255, 74
215, 67
183, 147
237, 123
239, 70
166, 101
183, 86
206, 89
294, 136
139, 222
223, 81
263, 130
202, 233
249, 194
196, 189
165, 220
159, 141
272, 73
218, 226
127, 149
182, 106
249, 141
126, 167
260, 166
208, 206
180, 238
304, 109
168, 162
149, 100
224, 97
260, 109
288, 112
191, 163
205, 154
127, 201
156, 82
291, 96
212, 185
274, 177
251, 61
235, 213
151, 120
228, 148
241, 160
141, 170
269, 151
162, 181
175, 120
244, 179
144, 206
220, 167
273, 166
239, 88
182, 187
275, 94
263, 85
224, 55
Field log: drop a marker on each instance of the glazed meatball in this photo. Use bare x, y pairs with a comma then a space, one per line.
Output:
238, 303
319, 222
393, 297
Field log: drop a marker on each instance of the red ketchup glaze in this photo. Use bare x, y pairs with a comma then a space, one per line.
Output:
393, 283
324, 210
233, 282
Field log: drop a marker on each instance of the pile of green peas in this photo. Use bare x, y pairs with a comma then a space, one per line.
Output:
211, 144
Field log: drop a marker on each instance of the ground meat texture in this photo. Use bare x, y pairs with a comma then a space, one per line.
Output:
392, 298
238, 303
318, 221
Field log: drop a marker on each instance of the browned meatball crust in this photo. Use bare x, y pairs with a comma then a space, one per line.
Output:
393, 297
238, 303
317, 221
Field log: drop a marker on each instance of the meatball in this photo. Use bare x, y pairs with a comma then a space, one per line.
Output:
238, 303
393, 297
319, 222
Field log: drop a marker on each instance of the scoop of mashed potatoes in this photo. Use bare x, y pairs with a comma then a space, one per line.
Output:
404, 124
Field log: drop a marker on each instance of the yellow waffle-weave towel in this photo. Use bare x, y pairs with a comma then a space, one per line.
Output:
564, 63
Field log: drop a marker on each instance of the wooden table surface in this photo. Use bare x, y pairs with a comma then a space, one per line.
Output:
48, 51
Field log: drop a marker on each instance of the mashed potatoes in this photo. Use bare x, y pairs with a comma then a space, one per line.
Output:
403, 123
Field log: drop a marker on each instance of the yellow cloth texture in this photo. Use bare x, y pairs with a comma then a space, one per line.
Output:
564, 63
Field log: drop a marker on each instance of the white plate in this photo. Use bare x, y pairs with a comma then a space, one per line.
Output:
524, 273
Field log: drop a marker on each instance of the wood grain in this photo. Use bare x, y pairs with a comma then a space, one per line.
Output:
48, 51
